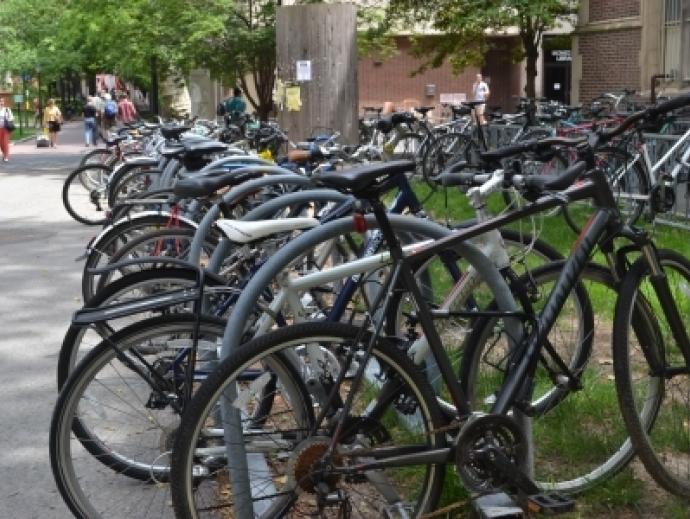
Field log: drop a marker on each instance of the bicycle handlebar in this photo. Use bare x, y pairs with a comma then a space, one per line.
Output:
560, 182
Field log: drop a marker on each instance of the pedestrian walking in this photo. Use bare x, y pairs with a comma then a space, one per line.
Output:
6, 127
480, 91
52, 119
90, 122
125, 109
109, 111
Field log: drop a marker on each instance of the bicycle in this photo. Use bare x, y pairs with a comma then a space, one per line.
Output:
325, 458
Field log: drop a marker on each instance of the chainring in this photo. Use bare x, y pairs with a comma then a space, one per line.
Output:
481, 432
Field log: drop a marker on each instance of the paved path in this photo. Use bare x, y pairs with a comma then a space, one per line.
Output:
39, 289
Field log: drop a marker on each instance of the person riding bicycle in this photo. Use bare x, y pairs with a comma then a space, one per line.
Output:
235, 107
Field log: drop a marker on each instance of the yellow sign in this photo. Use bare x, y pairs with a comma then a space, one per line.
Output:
293, 98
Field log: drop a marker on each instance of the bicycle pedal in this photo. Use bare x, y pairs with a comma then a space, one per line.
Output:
498, 504
549, 504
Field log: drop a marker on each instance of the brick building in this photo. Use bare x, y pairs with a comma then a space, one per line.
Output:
390, 79
622, 43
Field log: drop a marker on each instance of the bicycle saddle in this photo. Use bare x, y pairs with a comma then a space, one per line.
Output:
174, 132
211, 181
363, 180
459, 111
424, 109
142, 161
204, 147
112, 141
172, 150
472, 104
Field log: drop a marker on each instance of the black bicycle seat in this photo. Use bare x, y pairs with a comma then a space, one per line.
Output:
209, 182
112, 141
424, 109
174, 132
363, 180
472, 104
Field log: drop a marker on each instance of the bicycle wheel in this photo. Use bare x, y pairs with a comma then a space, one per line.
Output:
579, 439
445, 150
101, 156
407, 147
166, 243
283, 455
83, 198
629, 183
116, 417
111, 240
134, 183
652, 377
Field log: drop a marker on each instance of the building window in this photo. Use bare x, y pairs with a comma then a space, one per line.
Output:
676, 36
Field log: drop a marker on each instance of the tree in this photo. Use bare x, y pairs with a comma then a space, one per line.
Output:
247, 48
467, 25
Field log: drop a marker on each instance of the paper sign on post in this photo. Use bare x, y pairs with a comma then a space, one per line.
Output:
293, 99
304, 70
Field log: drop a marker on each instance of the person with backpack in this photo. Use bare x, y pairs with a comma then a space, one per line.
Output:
234, 106
109, 111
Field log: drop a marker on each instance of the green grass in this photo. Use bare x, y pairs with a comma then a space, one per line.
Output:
26, 132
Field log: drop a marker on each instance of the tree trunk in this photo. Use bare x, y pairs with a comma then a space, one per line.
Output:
531, 56
531, 45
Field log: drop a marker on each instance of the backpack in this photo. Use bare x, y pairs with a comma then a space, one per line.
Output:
220, 109
110, 109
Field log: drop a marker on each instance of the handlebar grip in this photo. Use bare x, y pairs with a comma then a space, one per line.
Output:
555, 182
448, 179
508, 151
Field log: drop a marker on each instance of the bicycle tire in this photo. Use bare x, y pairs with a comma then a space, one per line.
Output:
654, 405
87, 205
633, 182
123, 231
562, 419
166, 243
407, 147
445, 150
274, 349
102, 156
133, 183
105, 424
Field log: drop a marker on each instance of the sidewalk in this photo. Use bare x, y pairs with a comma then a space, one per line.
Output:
39, 290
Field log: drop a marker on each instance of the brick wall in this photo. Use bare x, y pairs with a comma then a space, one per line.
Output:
610, 61
390, 80
600, 10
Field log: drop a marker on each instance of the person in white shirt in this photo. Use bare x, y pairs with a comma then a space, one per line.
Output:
480, 92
